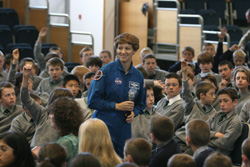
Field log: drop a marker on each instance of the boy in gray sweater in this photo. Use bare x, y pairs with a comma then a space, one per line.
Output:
171, 105
225, 126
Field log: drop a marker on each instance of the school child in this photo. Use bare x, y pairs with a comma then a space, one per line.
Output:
149, 64
226, 72
71, 82
195, 108
197, 137
242, 83
205, 62
218, 159
3, 74
94, 63
85, 54
225, 126
138, 151
162, 132
188, 55
143, 52
24, 123
245, 152
87, 79
9, 109
239, 58
171, 105
55, 69
140, 124
105, 56
181, 160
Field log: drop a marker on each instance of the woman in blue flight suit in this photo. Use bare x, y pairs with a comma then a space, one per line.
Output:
117, 92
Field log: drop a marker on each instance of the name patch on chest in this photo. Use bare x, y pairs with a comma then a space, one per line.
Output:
118, 81
134, 85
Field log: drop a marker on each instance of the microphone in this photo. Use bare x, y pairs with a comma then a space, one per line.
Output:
131, 97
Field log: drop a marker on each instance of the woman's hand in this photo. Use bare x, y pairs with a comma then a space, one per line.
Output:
130, 117
125, 106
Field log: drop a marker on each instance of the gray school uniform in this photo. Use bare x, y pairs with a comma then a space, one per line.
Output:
140, 124
25, 125
245, 113
244, 97
159, 75
47, 85
192, 110
44, 131
39, 57
230, 126
197, 78
6, 117
3, 76
85, 94
174, 111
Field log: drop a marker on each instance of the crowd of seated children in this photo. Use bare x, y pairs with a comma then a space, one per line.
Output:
241, 77
105, 56
140, 124
205, 62
162, 132
24, 123
225, 125
171, 105
138, 151
195, 108
197, 137
94, 63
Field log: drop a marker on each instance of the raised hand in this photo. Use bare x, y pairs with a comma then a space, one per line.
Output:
15, 54
43, 32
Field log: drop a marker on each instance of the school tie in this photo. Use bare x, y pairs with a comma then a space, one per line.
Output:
222, 116
166, 104
32, 121
7, 112
204, 108
146, 113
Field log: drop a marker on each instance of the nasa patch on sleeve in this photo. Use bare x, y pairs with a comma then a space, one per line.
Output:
98, 75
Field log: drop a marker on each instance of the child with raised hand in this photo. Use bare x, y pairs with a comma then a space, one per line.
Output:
195, 108
225, 126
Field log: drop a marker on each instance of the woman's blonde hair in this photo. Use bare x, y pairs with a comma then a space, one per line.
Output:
94, 137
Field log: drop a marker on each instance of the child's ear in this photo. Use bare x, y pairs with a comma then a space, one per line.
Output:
129, 158
244, 158
188, 141
152, 136
235, 102
202, 95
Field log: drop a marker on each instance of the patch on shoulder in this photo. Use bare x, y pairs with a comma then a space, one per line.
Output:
98, 75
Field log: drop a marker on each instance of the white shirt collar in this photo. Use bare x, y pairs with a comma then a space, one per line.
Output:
174, 99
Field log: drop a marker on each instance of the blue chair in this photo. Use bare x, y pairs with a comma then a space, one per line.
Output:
6, 36
71, 65
46, 46
8, 16
185, 20
26, 34
235, 34
24, 51
220, 7
210, 17
2, 49
195, 4
10, 47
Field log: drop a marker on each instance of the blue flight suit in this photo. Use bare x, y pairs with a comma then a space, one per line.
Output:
110, 86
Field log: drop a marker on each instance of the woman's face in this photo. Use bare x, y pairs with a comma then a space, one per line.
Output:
6, 154
125, 52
